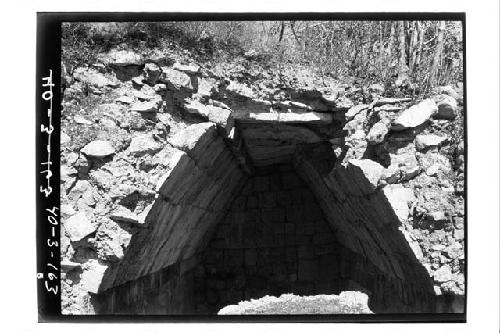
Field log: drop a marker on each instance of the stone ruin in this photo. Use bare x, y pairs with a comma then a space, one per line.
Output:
256, 201
268, 211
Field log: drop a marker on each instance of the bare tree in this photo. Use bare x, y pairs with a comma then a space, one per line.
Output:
402, 49
281, 31
437, 53
421, 34
413, 46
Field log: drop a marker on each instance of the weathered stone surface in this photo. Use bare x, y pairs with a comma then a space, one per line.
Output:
237, 88
267, 145
79, 190
110, 109
320, 100
343, 103
434, 160
433, 170
392, 174
123, 214
67, 210
94, 78
125, 99
454, 287
111, 240
438, 247
390, 100
92, 275
68, 177
443, 274
377, 133
138, 81
98, 149
447, 90
404, 159
152, 73
219, 116
415, 247
165, 156
144, 107
348, 302
175, 80
180, 159
144, 144
400, 198
307, 117
447, 108
146, 93
126, 64
437, 216
82, 121
454, 251
187, 138
371, 170
416, 115
376, 88
388, 108
292, 106
188, 69
425, 141
67, 266
244, 105
102, 178
78, 227
286, 134
121, 191
64, 138
355, 110
458, 234
123, 58
206, 87
410, 172
107, 123
214, 114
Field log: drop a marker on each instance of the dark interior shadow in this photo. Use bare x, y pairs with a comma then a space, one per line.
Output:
275, 239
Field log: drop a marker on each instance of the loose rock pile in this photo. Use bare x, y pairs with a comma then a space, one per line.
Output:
415, 150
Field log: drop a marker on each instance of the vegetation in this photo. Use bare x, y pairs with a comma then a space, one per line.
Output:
409, 54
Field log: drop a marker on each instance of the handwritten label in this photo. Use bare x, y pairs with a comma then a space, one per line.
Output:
47, 95
52, 276
51, 272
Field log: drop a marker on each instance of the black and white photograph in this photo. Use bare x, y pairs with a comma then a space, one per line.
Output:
218, 167
262, 167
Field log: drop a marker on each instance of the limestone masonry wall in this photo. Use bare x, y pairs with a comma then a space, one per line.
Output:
191, 199
365, 223
273, 240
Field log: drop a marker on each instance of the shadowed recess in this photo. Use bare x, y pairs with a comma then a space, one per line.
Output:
266, 211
